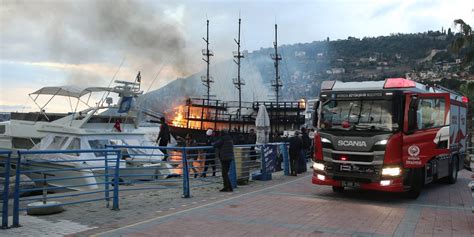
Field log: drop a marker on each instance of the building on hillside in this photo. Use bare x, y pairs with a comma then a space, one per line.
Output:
335, 71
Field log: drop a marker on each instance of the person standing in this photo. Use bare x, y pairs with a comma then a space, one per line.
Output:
225, 152
295, 152
164, 137
252, 139
306, 145
210, 154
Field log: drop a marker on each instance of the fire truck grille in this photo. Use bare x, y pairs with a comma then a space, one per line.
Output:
352, 179
354, 172
361, 158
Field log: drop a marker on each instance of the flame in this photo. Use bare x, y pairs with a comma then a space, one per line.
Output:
178, 120
182, 119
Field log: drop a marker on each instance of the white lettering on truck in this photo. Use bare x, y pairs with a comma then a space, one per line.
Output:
351, 143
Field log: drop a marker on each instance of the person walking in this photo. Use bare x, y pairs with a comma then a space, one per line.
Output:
225, 152
163, 137
210, 154
295, 152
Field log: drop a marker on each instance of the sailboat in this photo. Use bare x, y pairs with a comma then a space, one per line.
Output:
199, 114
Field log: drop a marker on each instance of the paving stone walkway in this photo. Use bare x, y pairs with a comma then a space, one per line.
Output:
295, 207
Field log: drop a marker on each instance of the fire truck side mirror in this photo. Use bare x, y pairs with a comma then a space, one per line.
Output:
412, 124
314, 116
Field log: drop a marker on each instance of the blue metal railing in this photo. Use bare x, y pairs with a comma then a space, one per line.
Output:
150, 168
5, 161
79, 176
128, 168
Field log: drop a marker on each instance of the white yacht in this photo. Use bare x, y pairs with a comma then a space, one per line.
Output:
103, 124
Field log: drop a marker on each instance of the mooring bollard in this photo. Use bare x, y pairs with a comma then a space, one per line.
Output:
44, 207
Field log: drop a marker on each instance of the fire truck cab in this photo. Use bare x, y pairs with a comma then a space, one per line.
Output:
395, 135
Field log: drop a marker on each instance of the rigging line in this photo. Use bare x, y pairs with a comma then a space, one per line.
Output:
151, 84
25, 104
104, 96
70, 103
149, 87
156, 77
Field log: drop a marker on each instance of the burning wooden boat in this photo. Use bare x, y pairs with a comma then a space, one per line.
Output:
197, 115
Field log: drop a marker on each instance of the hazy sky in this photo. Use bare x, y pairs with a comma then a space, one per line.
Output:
60, 42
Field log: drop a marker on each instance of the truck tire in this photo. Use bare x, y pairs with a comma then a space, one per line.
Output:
337, 189
453, 171
416, 183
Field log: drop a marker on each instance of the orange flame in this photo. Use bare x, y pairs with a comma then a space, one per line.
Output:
178, 120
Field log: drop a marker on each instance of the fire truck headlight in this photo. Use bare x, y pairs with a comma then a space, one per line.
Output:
325, 140
318, 166
392, 171
382, 142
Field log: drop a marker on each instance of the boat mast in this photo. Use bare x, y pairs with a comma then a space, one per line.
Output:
238, 82
207, 80
277, 84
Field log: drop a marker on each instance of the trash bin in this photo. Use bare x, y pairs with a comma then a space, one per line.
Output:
242, 169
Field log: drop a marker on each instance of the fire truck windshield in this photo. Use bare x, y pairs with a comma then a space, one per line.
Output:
358, 114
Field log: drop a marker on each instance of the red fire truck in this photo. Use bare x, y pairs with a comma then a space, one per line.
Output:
395, 135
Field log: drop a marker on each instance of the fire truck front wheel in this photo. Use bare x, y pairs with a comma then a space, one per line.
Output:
416, 183
453, 171
337, 189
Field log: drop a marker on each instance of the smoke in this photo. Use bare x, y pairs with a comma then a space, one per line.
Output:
81, 32
254, 88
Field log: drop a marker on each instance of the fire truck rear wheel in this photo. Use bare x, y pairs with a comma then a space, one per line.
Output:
337, 189
453, 171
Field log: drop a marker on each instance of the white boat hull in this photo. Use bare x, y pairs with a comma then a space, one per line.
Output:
89, 179
83, 179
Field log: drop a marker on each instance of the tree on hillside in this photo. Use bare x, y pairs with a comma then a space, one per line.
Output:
467, 89
465, 41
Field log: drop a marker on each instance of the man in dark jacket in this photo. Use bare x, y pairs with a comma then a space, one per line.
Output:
164, 137
295, 152
225, 152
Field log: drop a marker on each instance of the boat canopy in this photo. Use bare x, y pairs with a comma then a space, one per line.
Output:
69, 91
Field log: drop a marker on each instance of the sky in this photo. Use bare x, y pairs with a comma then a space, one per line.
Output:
91, 42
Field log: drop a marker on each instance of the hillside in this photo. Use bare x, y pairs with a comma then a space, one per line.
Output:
421, 56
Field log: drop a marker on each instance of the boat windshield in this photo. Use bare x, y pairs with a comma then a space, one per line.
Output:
101, 143
98, 144
57, 143
358, 115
